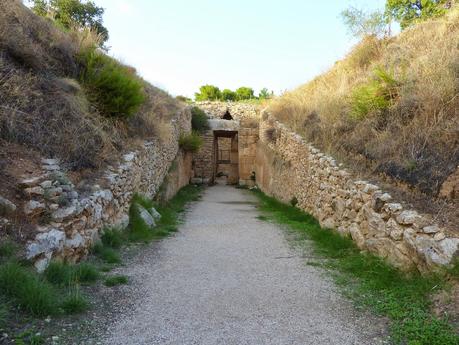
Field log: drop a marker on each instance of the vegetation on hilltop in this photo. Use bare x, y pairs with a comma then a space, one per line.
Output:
213, 93
389, 106
63, 96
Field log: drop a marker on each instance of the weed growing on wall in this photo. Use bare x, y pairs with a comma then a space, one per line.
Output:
190, 142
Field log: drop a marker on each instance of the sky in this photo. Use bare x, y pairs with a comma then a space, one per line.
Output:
179, 45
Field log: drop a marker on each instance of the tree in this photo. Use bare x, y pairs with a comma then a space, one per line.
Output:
407, 12
70, 12
244, 93
228, 95
265, 94
361, 23
208, 93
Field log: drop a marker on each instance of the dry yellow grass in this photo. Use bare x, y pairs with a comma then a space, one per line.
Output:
43, 106
416, 137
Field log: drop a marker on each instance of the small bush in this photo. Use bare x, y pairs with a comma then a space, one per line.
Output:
27, 289
113, 88
191, 142
376, 95
74, 303
199, 120
112, 237
116, 280
109, 255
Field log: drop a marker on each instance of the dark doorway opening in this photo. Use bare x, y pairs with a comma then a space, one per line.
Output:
226, 168
227, 116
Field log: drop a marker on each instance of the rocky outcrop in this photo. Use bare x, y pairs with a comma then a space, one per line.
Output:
290, 168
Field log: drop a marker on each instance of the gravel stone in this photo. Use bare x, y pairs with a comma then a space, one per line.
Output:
229, 278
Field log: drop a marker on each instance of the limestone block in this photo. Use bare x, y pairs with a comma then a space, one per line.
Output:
408, 217
33, 207
46, 242
6, 206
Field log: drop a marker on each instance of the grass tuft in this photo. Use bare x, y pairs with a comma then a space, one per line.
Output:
371, 282
75, 303
116, 280
113, 237
8, 249
109, 255
27, 289
63, 274
170, 215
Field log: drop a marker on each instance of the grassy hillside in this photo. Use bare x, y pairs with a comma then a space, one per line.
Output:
65, 98
391, 106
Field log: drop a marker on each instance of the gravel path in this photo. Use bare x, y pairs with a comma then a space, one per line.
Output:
229, 278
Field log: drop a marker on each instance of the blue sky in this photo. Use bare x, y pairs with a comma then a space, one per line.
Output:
179, 45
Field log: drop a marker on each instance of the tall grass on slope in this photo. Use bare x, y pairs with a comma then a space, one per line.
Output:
410, 133
368, 279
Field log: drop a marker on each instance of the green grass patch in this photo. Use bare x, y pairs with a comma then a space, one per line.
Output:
169, 211
116, 280
107, 254
29, 337
7, 250
371, 282
63, 274
75, 303
27, 289
113, 237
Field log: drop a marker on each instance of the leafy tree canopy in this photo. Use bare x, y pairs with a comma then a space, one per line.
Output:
265, 94
228, 95
407, 12
361, 23
244, 93
208, 93
70, 12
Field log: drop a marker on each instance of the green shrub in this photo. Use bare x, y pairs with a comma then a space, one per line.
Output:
74, 303
109, 255
27, 289
116, 280
113, 237
199, 120
190, 142
229, 95
377, 94
113, 88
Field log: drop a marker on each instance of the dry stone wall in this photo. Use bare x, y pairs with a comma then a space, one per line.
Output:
73, 218
287, 167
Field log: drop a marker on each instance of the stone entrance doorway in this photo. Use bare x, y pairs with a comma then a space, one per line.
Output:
226, 168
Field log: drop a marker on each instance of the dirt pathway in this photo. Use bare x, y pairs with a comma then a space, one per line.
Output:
229, 278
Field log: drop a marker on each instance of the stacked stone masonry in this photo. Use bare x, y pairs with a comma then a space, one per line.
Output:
74, 219
287, 167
